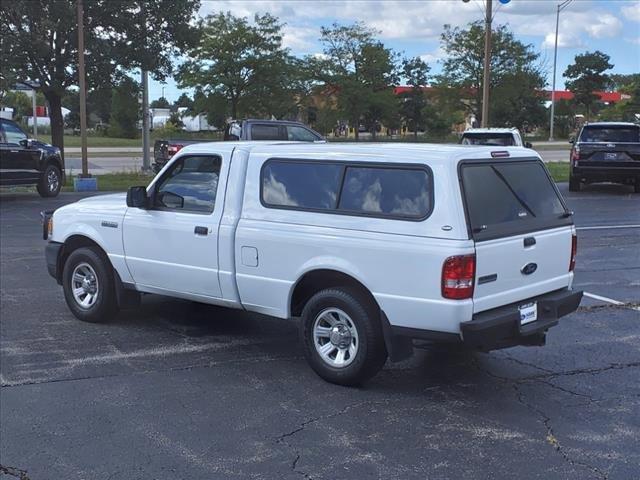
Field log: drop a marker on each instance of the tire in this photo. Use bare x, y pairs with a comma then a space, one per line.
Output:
99, 295
356, 323
50, 182
574, 184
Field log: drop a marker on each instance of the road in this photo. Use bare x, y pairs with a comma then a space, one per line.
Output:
126, 160
176, 390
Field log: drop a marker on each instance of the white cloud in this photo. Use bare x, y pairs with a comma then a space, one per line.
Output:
299, 38
565, 40
631, 12
604, 26
433, 56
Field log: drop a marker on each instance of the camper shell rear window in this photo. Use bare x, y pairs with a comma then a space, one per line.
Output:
505, 198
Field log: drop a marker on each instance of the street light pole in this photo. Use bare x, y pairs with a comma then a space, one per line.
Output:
560, 7
487, 65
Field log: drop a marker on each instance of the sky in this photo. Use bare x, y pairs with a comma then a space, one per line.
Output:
413, 27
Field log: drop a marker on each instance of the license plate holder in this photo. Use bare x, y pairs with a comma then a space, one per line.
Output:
528, 312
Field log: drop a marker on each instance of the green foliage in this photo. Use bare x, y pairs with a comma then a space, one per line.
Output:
160, 103
176, 120
362, 70
586, 76
20, 102
242, 62
183, 100
510, 60
40, 42
124, 110
515, 103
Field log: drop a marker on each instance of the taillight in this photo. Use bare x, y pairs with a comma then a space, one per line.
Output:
458, 275
173, 149
574, 251
575, 155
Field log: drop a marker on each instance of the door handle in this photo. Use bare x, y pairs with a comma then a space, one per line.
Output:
529, 242
201, 230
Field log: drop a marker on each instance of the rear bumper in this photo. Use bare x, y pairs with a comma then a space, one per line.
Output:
51, 254
500, 327
598, 171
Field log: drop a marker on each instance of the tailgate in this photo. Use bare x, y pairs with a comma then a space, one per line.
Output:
523, 266
521, 228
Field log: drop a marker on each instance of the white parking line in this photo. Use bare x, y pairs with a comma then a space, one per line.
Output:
608, 300
606, 227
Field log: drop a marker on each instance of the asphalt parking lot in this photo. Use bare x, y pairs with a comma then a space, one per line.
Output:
176, 390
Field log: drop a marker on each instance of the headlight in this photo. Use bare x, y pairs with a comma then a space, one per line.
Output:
47, 224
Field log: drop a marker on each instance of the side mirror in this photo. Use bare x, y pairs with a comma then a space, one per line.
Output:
572, 140
137, 197
171, 200
528, 145
26, 143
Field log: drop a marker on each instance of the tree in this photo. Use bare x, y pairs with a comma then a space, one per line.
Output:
183, 100
241, 61
160, 103
361, 69
517, 100
125, 113
20, 102
462, 69
586, 76
39, 42
413, 103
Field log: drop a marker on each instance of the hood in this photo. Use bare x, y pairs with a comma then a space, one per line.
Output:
111, 204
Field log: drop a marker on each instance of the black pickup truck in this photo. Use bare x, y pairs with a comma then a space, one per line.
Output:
250, 129
606, 152
25, 161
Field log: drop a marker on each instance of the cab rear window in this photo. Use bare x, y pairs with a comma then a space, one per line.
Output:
510, 198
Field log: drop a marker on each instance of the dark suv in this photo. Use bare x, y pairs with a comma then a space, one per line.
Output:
606, 152
25, 161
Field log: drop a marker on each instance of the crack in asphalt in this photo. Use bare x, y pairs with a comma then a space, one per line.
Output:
14, 472
281, 438
546, 420
609, 306
551, 437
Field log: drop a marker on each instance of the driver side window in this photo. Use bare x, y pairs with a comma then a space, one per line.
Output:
190, 185
12, 133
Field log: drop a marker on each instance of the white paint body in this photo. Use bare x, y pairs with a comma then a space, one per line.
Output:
254, 256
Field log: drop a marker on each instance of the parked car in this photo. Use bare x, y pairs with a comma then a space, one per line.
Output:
250, 129
499, 137
25, 161
606, 152
370, 246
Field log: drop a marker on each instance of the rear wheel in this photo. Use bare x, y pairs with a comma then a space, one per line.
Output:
342, 336
88, 284
574, 184
50, 182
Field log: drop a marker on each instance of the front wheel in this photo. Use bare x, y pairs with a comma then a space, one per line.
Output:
342, 336
88, 284
50, 182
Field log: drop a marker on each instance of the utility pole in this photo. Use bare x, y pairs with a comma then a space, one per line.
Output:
146, 165
35, 112
487, 65
83, 90
560, 7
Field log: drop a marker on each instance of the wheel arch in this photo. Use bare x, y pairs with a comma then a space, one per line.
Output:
312, 281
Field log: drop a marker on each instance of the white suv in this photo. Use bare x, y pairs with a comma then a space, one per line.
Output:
370, 245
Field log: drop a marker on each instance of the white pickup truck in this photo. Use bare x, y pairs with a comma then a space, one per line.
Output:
370, 246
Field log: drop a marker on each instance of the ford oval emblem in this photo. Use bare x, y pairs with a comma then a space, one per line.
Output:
529, 268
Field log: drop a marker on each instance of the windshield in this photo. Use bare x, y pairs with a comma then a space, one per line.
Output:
496, 139
507, 198
610, 134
